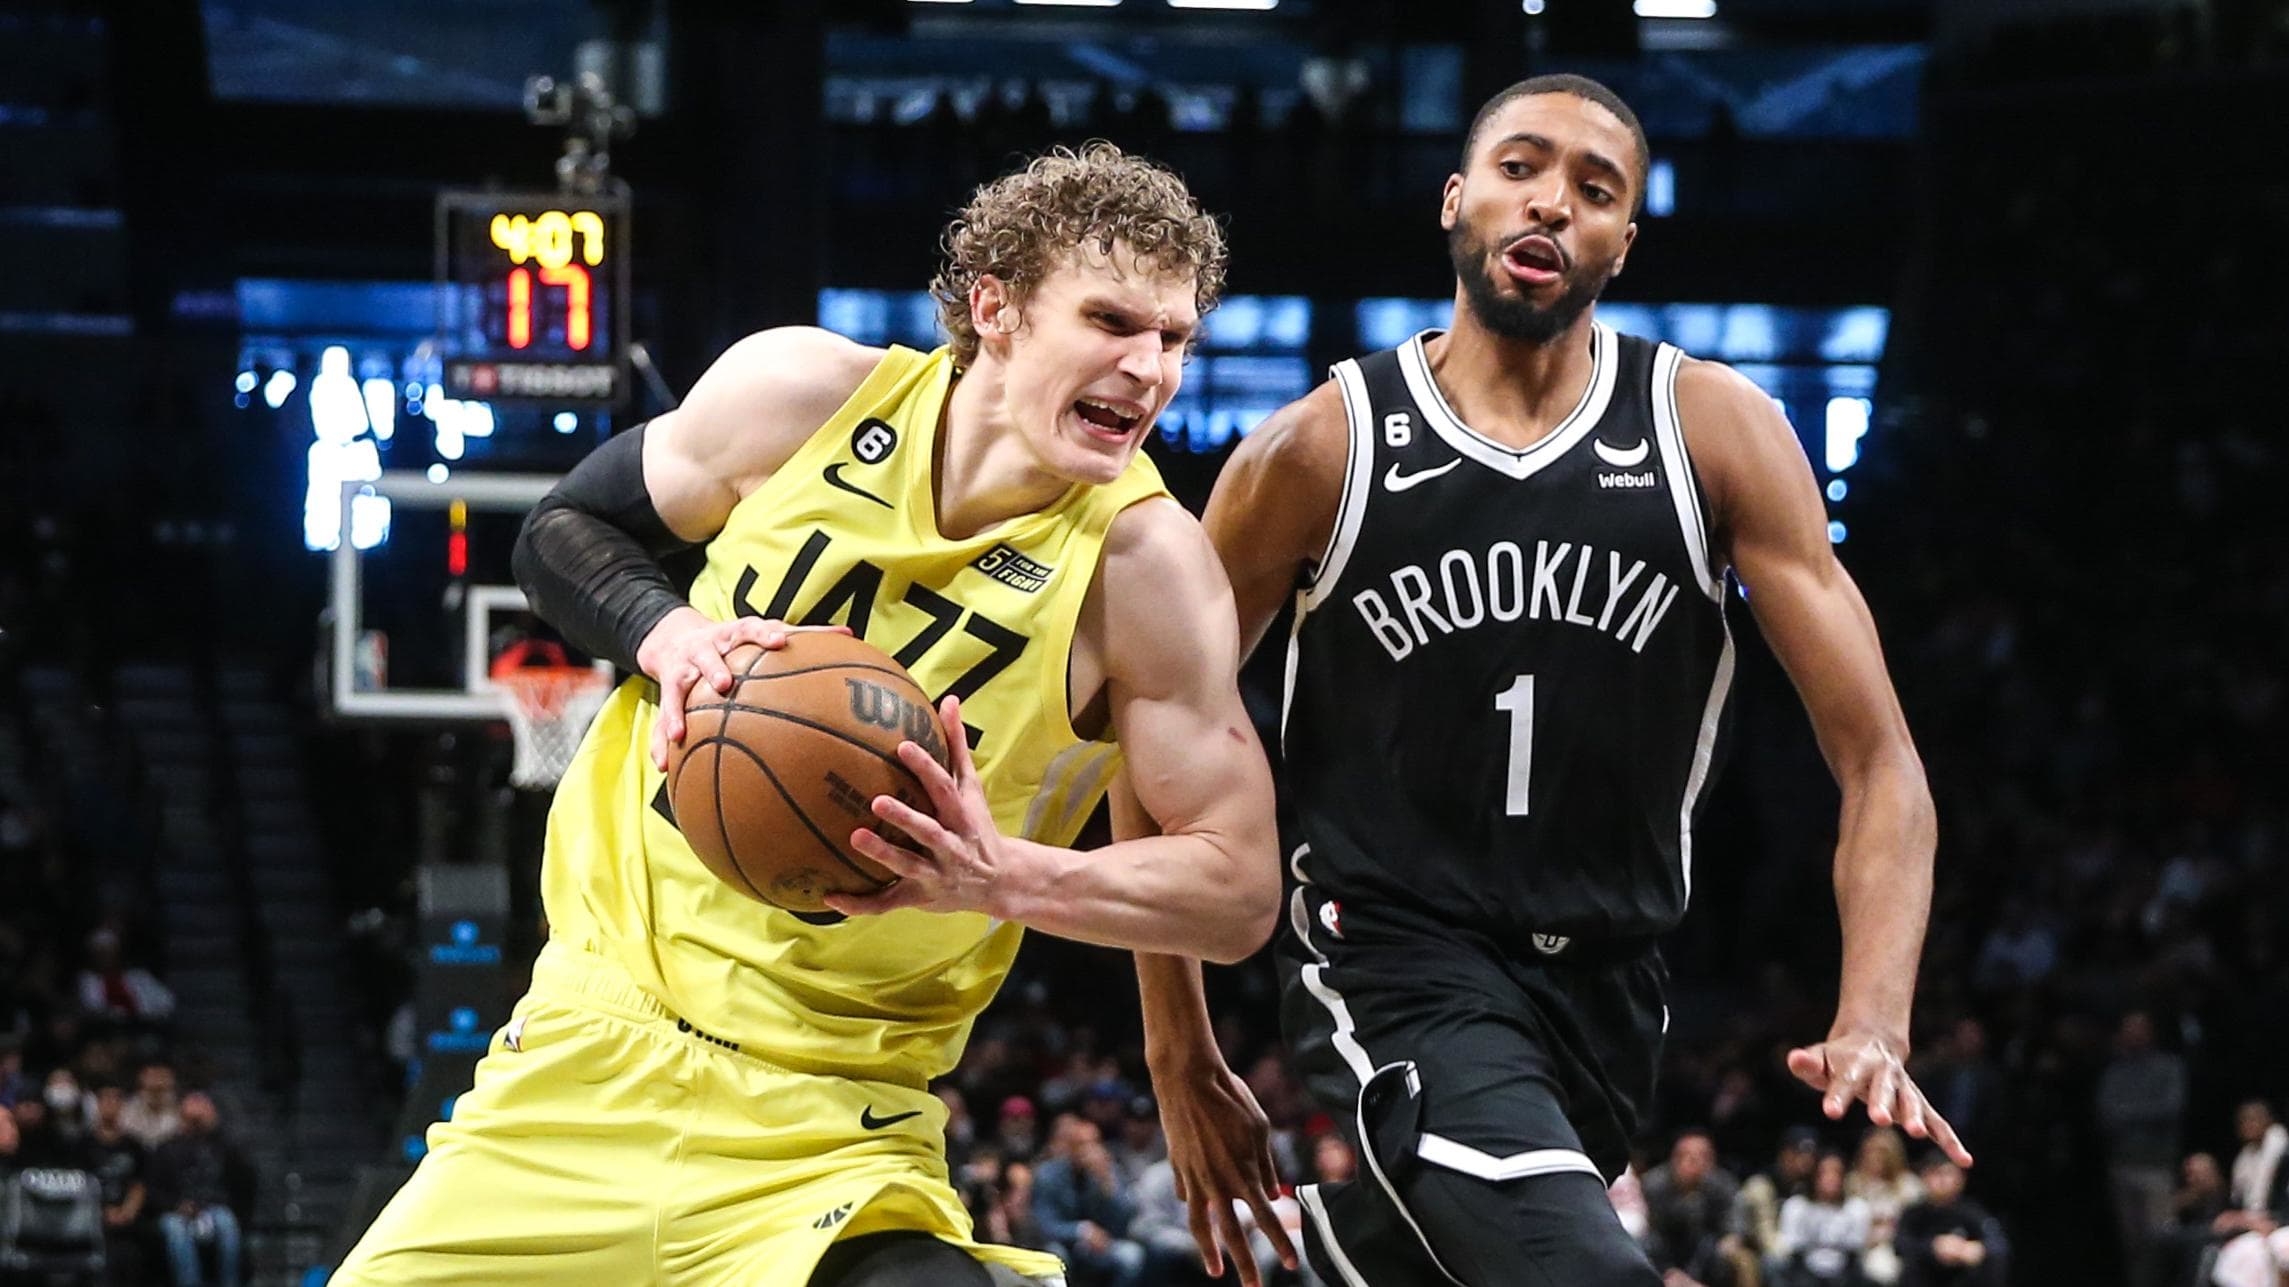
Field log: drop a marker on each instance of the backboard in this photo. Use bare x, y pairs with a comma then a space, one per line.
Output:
444, 618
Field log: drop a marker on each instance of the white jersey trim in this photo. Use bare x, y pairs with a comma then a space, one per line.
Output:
1375, 1166
1457, 1156
1351, 510
1677, 465
1346, 1037
1308, 1196
1703, 749
1515, 462
1350, 513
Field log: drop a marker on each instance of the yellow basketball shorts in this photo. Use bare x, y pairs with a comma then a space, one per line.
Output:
606, 1142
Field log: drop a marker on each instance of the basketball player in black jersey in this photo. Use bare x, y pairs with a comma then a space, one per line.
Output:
1509, 547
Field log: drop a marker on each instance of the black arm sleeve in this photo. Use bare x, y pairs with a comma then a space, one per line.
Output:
588, 556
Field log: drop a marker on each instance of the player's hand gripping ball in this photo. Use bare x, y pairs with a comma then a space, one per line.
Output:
772, 777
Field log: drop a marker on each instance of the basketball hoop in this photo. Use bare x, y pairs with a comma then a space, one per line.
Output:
549, 709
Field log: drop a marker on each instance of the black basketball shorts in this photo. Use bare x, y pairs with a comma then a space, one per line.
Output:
1491, 1094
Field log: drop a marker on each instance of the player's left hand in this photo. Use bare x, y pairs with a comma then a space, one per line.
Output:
963, 858
1220, 1146
1860, 1066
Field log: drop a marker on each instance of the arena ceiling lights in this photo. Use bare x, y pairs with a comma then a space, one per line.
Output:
1676, 8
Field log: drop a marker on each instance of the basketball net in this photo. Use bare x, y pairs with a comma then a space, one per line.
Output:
549, 710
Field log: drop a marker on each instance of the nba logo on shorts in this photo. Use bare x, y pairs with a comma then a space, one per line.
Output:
1331, 915
1550, 944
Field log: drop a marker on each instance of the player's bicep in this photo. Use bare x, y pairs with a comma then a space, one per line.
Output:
691, 498
1194, 761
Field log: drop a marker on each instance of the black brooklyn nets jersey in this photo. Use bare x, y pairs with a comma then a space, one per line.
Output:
1508, 672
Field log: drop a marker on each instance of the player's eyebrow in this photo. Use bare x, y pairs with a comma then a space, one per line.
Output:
1594, 160
1130, 315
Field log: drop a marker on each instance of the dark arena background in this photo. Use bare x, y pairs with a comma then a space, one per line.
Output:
302, 305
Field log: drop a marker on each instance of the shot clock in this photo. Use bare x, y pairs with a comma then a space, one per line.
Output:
533, 297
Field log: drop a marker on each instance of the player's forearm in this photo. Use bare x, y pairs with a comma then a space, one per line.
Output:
1887, 835
1177, 1028
1192, 894
588, 556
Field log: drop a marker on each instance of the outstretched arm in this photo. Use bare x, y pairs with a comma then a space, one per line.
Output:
1269, 519
1771, 523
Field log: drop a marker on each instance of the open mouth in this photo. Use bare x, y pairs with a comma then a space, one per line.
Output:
1534, 259
1111, 420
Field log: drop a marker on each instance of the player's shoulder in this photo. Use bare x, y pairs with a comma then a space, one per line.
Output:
1737, 434
763, 397
1706, 381
1310, 437
1153, 540
1725, 412
806, 363
1159, 596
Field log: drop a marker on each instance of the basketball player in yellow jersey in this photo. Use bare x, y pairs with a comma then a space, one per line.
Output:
700, 1089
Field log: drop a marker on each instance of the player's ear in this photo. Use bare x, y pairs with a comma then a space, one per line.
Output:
993, 308
1628, 239
1450, 203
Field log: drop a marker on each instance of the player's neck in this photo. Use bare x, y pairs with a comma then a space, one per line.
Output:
982, 473
1513, 391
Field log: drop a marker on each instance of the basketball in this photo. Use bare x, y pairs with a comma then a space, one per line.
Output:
772, 777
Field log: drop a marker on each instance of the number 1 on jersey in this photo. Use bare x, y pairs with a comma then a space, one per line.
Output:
1518, 700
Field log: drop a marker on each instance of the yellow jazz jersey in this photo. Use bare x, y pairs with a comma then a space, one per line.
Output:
846, 533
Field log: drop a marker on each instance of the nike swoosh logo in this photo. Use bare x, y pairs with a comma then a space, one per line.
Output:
1395, 481
834, 479
867, 1119
1629, 457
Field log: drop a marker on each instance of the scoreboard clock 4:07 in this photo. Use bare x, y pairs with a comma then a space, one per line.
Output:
533, 297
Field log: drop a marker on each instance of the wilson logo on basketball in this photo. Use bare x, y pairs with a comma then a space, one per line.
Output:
872, 703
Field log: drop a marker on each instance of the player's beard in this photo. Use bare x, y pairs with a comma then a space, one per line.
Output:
1499, 305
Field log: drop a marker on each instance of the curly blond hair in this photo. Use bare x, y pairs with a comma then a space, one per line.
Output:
1020, 227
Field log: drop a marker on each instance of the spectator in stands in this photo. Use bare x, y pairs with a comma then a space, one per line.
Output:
1163, 1227
1962, 1081
1881, 1178
193, 1179
1756, 1214
1140, 1144
155, 1116
2141, 1098
2256, 1250
961, 1132
1015, 1133
2260, 1183
119, 1164
1948, 1240
10, 1145
1688, 1211
111, 989
2199, 1201
1084, 1209
67, 1104
1823, 1232
42, 1143
1012, 1220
